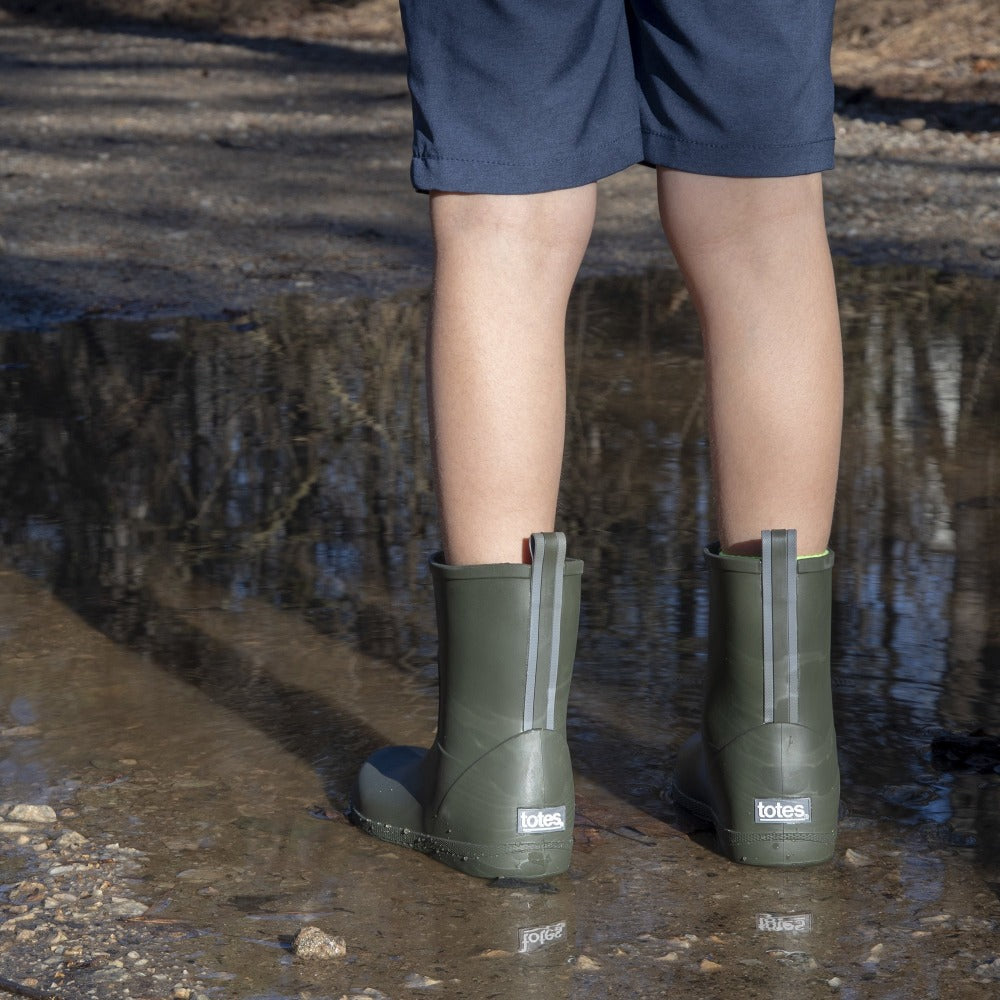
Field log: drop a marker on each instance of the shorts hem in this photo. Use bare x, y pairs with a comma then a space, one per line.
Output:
727, 160
472, 176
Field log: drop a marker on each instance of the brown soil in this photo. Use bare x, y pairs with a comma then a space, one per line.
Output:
191, 156
911, 49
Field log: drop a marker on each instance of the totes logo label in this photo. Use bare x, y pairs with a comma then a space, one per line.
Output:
531, 939
549, 820
782, 810
785, 923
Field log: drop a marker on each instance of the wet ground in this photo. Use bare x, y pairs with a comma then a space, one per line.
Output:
215, 604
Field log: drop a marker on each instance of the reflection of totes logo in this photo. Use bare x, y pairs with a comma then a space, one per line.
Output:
786, 923
547, 820
531, 939
782, 810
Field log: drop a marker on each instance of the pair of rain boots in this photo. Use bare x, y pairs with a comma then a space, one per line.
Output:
493, 797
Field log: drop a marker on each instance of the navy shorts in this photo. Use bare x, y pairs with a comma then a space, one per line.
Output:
517, 96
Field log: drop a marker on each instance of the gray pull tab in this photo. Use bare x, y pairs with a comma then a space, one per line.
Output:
548, 560
781, 622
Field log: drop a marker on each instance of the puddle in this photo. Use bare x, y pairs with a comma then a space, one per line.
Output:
216, 603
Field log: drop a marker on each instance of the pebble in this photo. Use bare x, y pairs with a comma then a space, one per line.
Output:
26, 813
857, 859
415, 981
586, 963
14, 828
707, 965
312, 943
989, 970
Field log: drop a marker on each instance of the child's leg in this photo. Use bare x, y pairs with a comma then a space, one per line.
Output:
763, 767
505, 265
755, 256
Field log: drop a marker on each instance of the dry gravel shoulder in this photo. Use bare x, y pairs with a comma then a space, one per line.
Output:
149, 170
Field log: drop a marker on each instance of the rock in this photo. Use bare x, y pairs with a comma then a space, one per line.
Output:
27, 813
70, 841
857, 859
14, 828
415, 981
989, 970
707, 965
312, 943
913, 124
126, 907
587, 963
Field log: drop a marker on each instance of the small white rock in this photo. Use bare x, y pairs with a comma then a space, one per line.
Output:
15, 828
27, 813
311, 942
70, 840
415, 981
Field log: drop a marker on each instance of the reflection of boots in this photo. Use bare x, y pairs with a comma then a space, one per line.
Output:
763, 769
494, 795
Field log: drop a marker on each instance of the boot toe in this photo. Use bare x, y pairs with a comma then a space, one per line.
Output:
386, 800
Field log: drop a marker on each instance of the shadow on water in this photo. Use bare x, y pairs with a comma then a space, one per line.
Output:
234, 518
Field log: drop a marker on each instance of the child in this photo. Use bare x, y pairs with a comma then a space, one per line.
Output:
519, 107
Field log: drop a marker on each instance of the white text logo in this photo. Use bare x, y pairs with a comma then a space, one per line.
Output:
785, 923
783, 810
533, 938
541, 820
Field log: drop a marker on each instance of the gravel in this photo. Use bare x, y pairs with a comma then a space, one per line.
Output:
200, 174
72, 925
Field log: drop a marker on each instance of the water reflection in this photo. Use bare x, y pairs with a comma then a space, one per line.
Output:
246, 505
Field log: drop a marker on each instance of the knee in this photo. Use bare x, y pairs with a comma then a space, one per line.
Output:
739, 214
547, 226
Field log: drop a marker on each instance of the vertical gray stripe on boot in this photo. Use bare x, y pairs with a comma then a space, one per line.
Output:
557, 603
548, 560
537, 544
792, 584
779, 584
767, 598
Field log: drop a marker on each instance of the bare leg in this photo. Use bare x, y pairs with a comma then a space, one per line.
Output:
504, 269
755, 257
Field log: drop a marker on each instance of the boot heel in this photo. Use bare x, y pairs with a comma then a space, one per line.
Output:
512, 811
783, 791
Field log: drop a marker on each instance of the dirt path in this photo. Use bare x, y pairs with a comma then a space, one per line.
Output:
146, 170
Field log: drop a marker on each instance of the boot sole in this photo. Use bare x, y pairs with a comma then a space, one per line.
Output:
526, 859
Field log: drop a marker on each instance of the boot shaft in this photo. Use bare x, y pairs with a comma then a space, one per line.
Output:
507, 638
769, 640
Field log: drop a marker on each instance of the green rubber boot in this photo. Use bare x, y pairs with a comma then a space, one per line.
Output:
493, 796
763, 769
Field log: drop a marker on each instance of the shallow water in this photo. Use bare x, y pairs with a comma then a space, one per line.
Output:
216, 604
